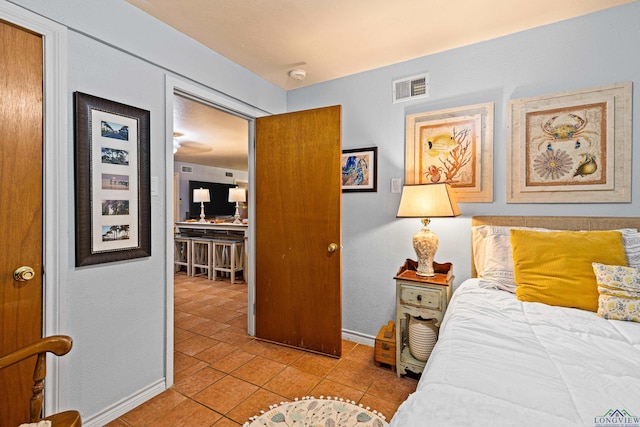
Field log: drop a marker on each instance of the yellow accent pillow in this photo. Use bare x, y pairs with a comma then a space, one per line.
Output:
555, 268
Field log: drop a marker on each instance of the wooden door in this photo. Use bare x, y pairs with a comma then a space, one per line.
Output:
298, 216
21, 139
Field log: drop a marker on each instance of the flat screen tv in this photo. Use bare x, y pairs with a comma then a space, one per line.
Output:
218, 206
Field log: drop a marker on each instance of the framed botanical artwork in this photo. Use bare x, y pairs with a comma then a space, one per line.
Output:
112, 182
454, 146
570, 147
359, 169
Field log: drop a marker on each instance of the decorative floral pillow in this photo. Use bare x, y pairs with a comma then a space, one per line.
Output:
619, 292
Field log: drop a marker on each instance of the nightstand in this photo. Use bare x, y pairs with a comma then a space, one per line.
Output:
423, 297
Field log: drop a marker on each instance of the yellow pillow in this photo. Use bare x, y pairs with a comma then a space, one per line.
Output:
555, 268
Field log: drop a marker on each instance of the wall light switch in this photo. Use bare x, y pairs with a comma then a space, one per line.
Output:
396, 185
154, 185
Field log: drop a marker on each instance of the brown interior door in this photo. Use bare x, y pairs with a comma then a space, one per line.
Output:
298, 230
21, 72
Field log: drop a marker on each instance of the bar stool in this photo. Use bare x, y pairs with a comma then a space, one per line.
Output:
182, 254
228, 257
202, 257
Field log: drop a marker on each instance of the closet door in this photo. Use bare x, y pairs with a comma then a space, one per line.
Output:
21, 144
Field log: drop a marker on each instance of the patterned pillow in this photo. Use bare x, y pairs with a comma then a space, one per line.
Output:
619, 289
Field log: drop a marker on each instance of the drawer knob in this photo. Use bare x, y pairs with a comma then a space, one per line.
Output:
419, 297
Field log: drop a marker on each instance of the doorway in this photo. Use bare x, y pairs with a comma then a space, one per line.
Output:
328, 118
239, 110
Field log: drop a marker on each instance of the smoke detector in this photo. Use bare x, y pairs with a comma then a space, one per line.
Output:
298, 74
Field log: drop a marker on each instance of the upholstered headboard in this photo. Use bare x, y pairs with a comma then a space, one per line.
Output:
556, 222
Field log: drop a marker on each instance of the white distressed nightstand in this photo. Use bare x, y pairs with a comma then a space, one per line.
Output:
423, 297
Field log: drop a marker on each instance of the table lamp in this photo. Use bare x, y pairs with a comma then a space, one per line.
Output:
424, 201
237, 195
201, 195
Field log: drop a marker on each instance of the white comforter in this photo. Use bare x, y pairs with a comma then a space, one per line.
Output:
502, 362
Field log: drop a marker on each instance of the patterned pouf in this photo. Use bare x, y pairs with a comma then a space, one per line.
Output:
322, 412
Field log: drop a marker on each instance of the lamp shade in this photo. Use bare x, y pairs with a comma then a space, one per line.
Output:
237, 195
427, 200
201, 195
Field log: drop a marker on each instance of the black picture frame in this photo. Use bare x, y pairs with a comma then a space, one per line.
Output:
359, 170
112, 181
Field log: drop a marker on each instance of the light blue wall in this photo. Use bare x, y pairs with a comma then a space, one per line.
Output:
594, 50
116, 311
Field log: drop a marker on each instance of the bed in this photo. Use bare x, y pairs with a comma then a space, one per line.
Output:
500, 361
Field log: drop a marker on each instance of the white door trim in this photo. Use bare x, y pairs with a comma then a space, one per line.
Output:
174, 85
55, 185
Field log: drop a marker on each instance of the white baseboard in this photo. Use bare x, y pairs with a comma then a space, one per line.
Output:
358, 337
125, 405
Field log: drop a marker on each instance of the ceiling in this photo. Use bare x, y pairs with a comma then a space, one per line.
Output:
208, 136
329, 39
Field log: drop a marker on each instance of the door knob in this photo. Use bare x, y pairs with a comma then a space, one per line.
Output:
332, 247
24, 273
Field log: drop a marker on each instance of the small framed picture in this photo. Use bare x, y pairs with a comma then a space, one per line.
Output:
360, 169
113, 214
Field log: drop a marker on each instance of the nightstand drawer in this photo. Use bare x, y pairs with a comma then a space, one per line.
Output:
420, 297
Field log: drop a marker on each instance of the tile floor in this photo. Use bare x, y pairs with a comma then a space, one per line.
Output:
223, 376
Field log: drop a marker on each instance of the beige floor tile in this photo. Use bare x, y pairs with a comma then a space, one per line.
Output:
232, 361
225, 394
195, 345
383, 406
258, 401
353, 373
198, 381
117, 423
292, 382
222, 377
334, 389
209, 327
188, 414
181, 335
216, 352
315, 364
153, 409
388, 386
181, 362
361, 353
226, 422
258, 370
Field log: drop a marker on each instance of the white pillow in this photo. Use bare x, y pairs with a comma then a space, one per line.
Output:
492, 254
631, 239
494, 262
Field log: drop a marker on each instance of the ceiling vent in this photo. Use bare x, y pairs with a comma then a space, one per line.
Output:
411, 88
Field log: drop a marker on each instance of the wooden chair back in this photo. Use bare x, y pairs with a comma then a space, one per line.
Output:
58, 345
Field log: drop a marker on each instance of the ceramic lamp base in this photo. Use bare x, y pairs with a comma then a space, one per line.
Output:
202, 213
236, 217
425, 243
